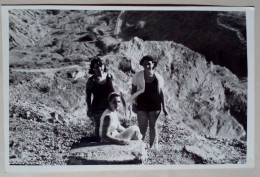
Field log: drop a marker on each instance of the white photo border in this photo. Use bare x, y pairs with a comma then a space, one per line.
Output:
250, 99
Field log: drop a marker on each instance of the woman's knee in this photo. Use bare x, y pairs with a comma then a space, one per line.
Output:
142, 118
153, 128
135, 127
136, 132
153, 117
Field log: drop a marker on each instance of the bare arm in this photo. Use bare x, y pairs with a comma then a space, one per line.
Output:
88, 96
134, 89
163, 103
111, 82
88, 99
106, 132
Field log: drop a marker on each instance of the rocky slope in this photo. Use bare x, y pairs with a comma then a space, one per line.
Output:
207, 103
220, 36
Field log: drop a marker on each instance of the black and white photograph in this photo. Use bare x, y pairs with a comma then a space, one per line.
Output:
128, 86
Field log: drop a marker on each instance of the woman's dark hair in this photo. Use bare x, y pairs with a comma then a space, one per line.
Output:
112, 95
149, 58
96, 61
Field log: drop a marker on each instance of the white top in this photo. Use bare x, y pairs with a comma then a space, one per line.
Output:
114, 123
139, 81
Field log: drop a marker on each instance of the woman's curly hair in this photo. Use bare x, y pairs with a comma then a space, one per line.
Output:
149, 58
98, 61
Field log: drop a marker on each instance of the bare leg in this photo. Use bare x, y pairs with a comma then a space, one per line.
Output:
142, 118
131, 133
97, 117
153, 117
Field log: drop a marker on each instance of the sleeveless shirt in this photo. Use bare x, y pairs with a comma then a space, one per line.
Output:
114, 123
100, 93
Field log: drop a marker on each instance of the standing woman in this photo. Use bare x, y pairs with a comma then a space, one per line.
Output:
98, 87
148, 98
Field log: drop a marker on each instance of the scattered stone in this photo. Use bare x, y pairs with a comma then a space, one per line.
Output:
104, 153
12, 157
28, 114
11, 143
125, 64
86, 38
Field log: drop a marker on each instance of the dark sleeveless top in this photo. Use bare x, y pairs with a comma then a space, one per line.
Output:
150, 100
100, 94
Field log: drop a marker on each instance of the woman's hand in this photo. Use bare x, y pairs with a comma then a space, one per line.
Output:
163, 104
165, 111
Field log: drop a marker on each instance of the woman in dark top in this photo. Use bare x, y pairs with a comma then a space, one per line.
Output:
148, 98
98, 87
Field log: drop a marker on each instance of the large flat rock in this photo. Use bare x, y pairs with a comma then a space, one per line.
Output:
95, 153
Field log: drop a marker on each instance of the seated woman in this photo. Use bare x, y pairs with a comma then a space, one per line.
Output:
110, 129
98, 87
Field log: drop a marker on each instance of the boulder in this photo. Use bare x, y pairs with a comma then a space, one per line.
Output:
96, 153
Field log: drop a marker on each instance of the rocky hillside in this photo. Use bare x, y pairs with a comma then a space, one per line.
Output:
49, 69
220, 36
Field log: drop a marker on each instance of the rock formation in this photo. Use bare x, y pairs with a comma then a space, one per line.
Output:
219, 36
207, 103
107, 153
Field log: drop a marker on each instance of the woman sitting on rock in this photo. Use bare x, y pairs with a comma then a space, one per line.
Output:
147, 98
98, 87
110, 129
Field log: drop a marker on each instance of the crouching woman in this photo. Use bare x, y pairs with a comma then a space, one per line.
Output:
110, 129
